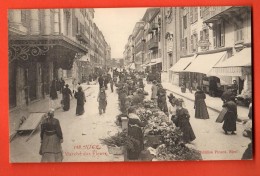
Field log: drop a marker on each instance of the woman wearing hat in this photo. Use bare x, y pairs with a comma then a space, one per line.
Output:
183, 123
66, 97
81, 99
231, 116
172, 108
200, 107
51, 139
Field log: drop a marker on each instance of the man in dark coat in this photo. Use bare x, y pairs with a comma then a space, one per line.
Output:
101, 81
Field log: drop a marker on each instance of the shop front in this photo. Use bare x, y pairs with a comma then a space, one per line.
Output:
34, 62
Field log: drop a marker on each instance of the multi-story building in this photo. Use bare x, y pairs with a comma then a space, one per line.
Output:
232, 33
139, 45
211, 37
47, 44
40, 42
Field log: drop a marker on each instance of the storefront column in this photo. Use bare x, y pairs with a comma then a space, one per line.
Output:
39, 83
34, 23
56, 22
15, 17
51, 71
20, 87
47, 22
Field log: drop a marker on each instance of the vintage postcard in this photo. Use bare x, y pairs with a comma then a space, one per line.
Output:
130, 84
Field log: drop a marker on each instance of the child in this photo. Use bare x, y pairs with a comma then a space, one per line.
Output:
102, 100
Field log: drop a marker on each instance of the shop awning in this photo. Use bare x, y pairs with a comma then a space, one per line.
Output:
205, 62
237, 65
182, 64
155, 61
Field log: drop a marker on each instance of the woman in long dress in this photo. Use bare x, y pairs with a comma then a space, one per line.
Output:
80, 96
172, 108
230, 117
66, 98
53, 94
51, 139
183, 122
200, 107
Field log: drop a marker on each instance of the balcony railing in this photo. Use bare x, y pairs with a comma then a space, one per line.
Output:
139, 48
82, 37
154, 26
213, 11
153, 44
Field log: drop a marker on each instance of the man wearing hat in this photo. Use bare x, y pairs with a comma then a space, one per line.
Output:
102, 100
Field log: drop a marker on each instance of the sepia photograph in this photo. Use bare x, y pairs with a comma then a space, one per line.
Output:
130, 84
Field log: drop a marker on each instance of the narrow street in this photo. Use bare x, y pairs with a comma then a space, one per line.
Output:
81, 133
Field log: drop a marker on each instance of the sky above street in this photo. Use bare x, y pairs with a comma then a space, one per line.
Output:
116, 25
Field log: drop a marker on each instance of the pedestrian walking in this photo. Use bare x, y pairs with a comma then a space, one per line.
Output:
162, 103
154, 92
74, 84
102, 101
112, 85
101, 81
66, 97
106, 81
230, 117
182, 121
62, 84
200, 107
81, 99
53, 94
51, 139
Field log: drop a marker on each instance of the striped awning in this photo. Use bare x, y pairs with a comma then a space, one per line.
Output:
237, 65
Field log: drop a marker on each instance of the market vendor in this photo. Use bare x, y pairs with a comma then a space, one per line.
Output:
135, 131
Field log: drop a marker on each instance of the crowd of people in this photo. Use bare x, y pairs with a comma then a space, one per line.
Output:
130, 84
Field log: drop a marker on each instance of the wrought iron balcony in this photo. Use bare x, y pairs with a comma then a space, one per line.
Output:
154, 26
153, 44
82, 37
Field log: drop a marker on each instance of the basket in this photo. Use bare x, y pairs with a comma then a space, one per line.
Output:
115, 150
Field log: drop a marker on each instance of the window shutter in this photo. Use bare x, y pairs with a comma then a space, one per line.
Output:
182, 44
196, 42
214, 38
191, 43
196, 14
207, 34
201, 35
222, 30
191, 15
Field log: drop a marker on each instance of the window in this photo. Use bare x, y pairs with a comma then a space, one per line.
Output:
219, 35
186, 43
238, 32
193, 43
